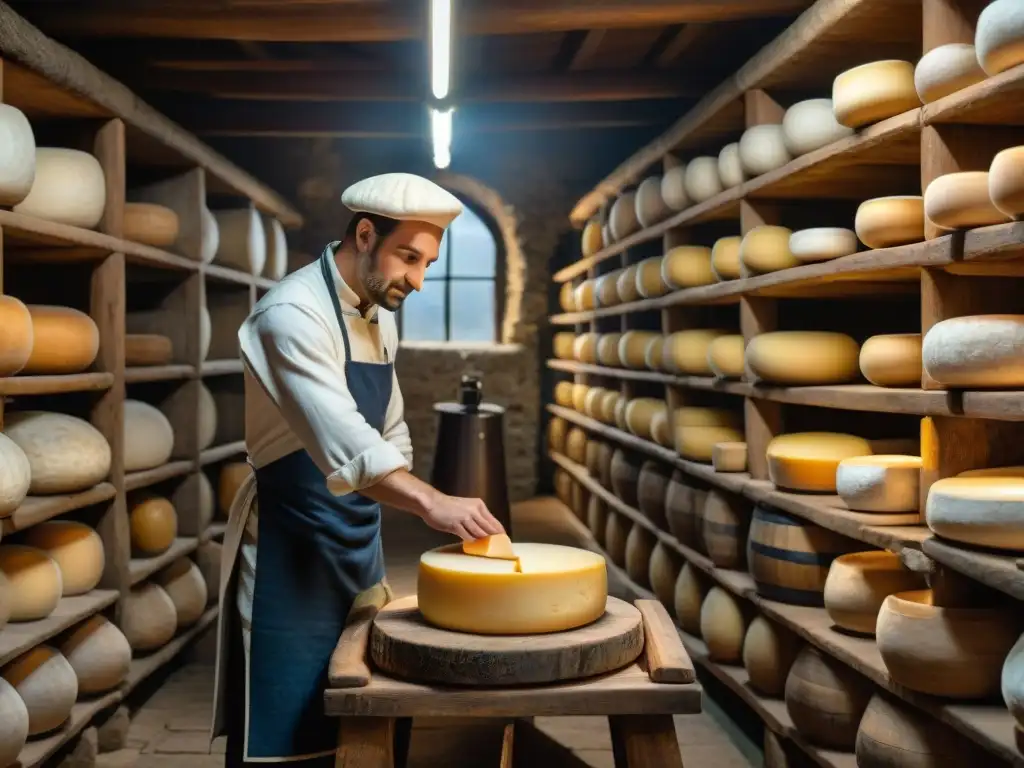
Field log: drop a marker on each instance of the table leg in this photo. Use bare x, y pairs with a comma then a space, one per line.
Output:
403, 737
366, 742
644, 741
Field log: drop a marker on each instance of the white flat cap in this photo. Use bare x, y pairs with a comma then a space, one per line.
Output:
403, 196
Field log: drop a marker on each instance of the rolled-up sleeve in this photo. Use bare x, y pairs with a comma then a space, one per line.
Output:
291, 353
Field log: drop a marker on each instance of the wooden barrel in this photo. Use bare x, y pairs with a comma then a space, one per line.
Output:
826, 699
724, 523
684, 502
639, 548
625, 476
616, 534
789, 558
597, 517
651, 489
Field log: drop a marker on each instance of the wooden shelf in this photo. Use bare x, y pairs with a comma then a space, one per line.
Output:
221, 452
12, 386
994, 101
39, 509
147, 477
146, 373
1000, 571
214, 532
141, 568
18, 637
144, 666
220, 367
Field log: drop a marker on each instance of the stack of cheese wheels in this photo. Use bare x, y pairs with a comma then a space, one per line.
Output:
702, 179
725, 358
209, 236
673, 188
17, 158
242, 244
915, 638
13, 723
69, 187
76, 549
597, 518
1006, 181
230, 480
148, 619
575, 449
147, 349
999, 37
590, 239
184, 584
34, 582
723, 625
803, 358
886, 222
975, 351
789, 559
880, 483
650, 206
622, 221
698, 430
585, 296
826, 699
730, 167
769, 651
557, 588
276, 264
663, 574
766, 249
208, 558
16, 336
608, 349
725, 258
99, 653
725, 523
47, 685
639, 548
205, 333
892, 360
808, 461
981, 507
150, 224
822, 244
625, 477
616, 537
634, 345
1011, 683
66, 454
873, 92
763, 149
153, 524
650, 282
687, 266
859, 582
562, 345
691, 587
684, 505
148, 436
961, 201
652, 486
64, 341
810, 125
15, 475
946, 69
687, 352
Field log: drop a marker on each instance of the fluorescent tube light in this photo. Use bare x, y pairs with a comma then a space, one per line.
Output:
440, 47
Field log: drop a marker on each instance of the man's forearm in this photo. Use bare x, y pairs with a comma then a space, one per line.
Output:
403, 490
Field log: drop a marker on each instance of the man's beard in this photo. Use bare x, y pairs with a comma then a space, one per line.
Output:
375, 285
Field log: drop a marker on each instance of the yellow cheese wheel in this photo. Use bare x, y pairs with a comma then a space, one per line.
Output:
584, 348
147, 349
807, 461
610, 400
654, 356
983, 508
66, 454
892, 360
729, 457
639, 548
184, 584
725, 257
65, 341
33, 579
150, 224
766, 249
1005, 183
686, 352
13, 723
148, 617
857, 584
584, 296
698, 430
579, 396
873, 92
626, 284
590, 241
622, 221
563, 485
563, 394
557, 430
99, 653
663, 574
650, 284
640, 413
15, 475
153, 522
616, 537
47, 684
650, 207
608, 349
207, 422
562, 344
886, 222
16, 338
803, 358
620, 412
723, 626
961, 201
606, 288
689, 596
557, 588
593, 403
576, 445
769, 651
567, 297
76, 548
231, 477
826, 699
725, 356
880, 483
633, 347
148, 436
687, 266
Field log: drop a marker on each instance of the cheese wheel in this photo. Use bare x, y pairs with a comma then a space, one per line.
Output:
205, 333
652, 486
639, 548
592, 402
945, 70
661, 432
180, 408
769, 651
17, 163
880, 483
275, 265
639, 413
673, 188
1012, 684
730, 166
633, 347
1005, 183
207, 423
663, 573
209, 235
558, 588
857, 584
99, 654
725, 356
622, 220
584, 296
242, 243
76, 549
148, 437
65, 341
873, 92
153, 523
597, 518
886, 222
610, 400
33, 579
562, 345
584, 348
606, 289
684, 505
579, 396
205, 503
557, 430
984, 509
803, 358
687, 266
725, 258
47, 684
822, 244
763, 149
689, 597
892, 360
625, 475
999, 36
590, 240
148, 617
616, 537
826, 699
654, 355
810, 125
686, 352
575, 445
563, 394
13, 723
608, 349
961, 201
725, 521
563, 485
976, 352
807, 461
184, 584
231, 477
650, 283
702, 180
626, 284
65, 454
766, 249
147, 349
16, 334
594, 457
697, 430
723, 626
915, 637
567, 298
68, 188
150, 224
729, 457
15, 475
606, 235
650, 207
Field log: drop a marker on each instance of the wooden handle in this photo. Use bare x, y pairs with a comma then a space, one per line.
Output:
348, 667
667, 659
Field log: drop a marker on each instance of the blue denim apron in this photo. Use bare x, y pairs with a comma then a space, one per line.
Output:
316, 552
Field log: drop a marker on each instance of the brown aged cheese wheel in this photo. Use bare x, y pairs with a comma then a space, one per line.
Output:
33, 582
663, 573
99, 653
639, 548
147, 349
76, 548
47, 684
148, 617
652, 486
154, 525
150, 224
625, 477
16, 336
769, 651
723, 626
689, 596
184, 584
64, 341
826, 699
616, 536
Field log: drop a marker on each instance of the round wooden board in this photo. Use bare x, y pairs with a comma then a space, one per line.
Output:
403, 644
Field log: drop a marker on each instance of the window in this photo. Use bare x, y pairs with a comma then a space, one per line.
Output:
460, 296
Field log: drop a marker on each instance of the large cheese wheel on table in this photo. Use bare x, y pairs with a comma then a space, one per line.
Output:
148, 617
766, 249
1006, 181
65, 341
150, 224
723, 626
276, 264
184, 584
729, 457
557, 588
702, 179
13, 723
698, 430
15, 475
99, 653
915, 637
859, 582
663, 573
945, 70
763, 149
34, 582
684, 505
769, 651
16, 335
880, 483
886, 222
803, 358
725, 521
590, 239
810, 125
69, 187
616, 537
242, 243
597, 518
639, 548
147, 349
651, 488
622, 221
961, 201
687, 266
976, 352
999, 36
76, 549
625, 477
983, 508
148, 436
808, 461
725, 356
725, 257
650, 206
873, 92
689, 596
153, 523
66, 454
17, 164
47, 684
892, 360
686, 352
826, 699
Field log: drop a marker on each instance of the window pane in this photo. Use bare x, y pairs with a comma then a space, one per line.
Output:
473, 248
472, 310
439, 269
423, 314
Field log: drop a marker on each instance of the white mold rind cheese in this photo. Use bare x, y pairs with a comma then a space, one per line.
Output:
880, 483
945, 70
983, 508
976, 351
810, 125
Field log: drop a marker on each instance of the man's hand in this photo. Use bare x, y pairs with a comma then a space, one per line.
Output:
466, 518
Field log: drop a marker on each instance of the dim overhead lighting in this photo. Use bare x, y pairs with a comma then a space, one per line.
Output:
440, 47
441, 135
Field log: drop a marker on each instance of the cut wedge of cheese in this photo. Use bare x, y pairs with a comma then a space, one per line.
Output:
498, 545
729, 457
879, 483
807, 461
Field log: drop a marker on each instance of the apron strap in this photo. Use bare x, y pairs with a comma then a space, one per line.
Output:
332, 289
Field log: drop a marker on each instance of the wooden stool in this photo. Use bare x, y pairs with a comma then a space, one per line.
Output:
639, 700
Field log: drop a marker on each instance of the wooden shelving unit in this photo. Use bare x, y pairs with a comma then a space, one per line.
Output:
125, 287
905, 289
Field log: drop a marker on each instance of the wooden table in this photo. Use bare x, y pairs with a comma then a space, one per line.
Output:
639, 700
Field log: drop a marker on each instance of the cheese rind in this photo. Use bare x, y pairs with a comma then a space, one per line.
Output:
981, 509
822, 244
686, 352
148, 436
961, 201
650, 282
673, 188
945, 70
769, 651
729, 457
885, 222
77, 550
725, 257
47, 684
15, 475
803, 358
999, 36
622, 221
687, 266
810, 125
64, 341
976, 351
880, 483
650, 207
873, 92
766, 249
66, 454
590, 240
702, 180
99, 653
807, 461
726, 356
892, 360
34, 582
859, 582
723, 626
763, 149
1006, 181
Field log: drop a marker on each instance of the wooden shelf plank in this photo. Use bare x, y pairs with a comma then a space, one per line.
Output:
38, 509
220, 367
999, 571
147, 477
227, 275
221, 452
37, 751
144, 666
55, 385
993, 101
18, 637
145, 373
141, 568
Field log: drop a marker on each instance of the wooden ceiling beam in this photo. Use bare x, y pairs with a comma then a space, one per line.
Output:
587, 50
679, 44
370, 20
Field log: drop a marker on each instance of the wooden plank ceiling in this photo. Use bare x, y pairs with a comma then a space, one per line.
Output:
360, 69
